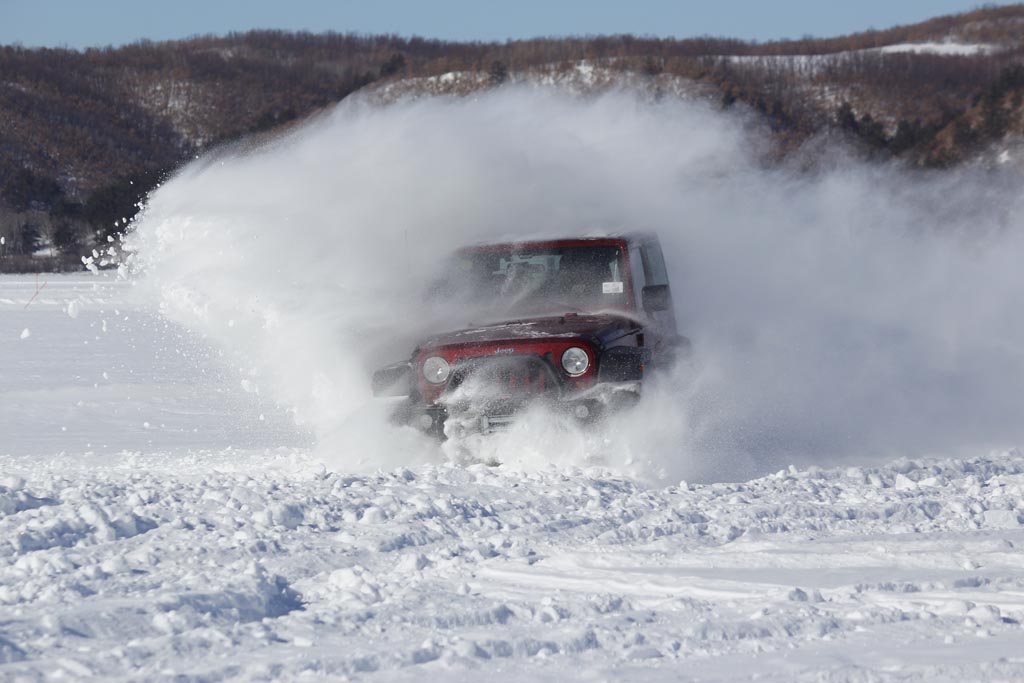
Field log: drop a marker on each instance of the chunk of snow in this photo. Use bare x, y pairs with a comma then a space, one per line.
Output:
12, 483
1002, 519
904, 483
346, 578
373, 515
25, 333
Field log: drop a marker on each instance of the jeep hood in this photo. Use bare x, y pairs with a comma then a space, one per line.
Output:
599, 328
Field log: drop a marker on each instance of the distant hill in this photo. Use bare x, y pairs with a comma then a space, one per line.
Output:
84, 135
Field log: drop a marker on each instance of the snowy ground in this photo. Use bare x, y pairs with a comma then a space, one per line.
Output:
154, 527
85, 367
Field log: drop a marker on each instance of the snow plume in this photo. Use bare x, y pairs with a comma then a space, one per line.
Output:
848, 313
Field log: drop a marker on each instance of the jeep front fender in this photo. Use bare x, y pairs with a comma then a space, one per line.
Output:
622, 364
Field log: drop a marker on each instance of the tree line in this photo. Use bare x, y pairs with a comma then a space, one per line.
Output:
85, 135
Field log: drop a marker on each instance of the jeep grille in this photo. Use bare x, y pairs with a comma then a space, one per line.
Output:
506, 377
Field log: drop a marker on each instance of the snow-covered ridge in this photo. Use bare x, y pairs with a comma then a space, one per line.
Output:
584, 77
935, 48
262, 566
944, 48
587, 76
813, 63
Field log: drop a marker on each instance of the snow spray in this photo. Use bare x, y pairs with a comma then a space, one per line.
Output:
842, 314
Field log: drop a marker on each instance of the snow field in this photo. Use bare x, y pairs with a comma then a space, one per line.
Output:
86, 366
233, 565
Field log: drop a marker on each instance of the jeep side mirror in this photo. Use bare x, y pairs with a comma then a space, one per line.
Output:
655, 298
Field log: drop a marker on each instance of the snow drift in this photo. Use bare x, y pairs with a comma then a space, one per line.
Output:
847, 312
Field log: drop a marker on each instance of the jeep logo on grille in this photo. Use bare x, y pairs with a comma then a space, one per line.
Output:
504, 352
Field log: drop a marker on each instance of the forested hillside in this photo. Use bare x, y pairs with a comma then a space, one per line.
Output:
84, 135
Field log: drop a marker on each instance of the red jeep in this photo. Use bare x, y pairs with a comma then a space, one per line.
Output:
578, 323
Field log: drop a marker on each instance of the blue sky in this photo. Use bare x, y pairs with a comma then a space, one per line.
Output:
84, 23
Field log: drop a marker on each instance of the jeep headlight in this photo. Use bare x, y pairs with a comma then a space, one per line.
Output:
575, 361
436, 370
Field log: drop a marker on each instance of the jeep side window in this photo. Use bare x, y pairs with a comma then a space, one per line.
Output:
638, 265
656, 274
654, 264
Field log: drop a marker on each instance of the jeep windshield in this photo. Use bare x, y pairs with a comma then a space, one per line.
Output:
536, 279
